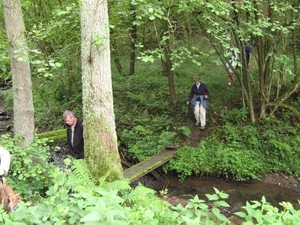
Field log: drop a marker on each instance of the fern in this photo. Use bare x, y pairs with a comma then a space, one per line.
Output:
120, 185
80, 177
139, 195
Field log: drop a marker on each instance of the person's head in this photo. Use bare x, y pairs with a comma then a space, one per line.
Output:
69, 118
197, 79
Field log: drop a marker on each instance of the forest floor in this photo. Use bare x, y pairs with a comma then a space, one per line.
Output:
196, 133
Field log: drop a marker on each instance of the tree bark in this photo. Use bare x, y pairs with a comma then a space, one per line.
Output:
167, 66
101, 152
133, 37
20, 68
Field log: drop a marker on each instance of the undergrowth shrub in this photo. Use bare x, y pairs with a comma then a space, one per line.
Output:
210, 158
30, 169
135, 94
280, 141
143, 141
235, 116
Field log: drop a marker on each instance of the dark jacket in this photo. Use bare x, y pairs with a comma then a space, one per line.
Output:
195, 91
77, 150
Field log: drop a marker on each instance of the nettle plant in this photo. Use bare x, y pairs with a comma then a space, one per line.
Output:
262, 212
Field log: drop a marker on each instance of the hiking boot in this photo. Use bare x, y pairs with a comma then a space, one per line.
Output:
197, 123
202, 127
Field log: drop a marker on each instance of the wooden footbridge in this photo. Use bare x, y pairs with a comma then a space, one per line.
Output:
150, 164
134, 172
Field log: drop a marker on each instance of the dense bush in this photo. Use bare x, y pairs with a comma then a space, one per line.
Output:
30, 169
210, 158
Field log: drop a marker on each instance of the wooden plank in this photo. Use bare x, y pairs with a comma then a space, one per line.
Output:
146, 166
55, 135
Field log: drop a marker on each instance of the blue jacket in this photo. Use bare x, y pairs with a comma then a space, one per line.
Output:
199, 98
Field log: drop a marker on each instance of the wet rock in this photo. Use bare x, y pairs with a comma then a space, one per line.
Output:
282, 180
58, 153
173, 200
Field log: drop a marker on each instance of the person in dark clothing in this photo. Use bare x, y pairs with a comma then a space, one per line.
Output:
74, 134
198, 100
248, 52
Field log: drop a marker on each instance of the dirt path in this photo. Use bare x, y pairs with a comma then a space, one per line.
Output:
196, 133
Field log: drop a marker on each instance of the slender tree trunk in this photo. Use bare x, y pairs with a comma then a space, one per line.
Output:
168, 67
116, 58
101, 152
118, 65
21, 78
133, 37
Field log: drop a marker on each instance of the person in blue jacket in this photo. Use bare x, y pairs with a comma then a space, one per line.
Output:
198, 100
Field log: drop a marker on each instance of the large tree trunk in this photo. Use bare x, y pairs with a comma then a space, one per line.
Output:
21, 79
101, 150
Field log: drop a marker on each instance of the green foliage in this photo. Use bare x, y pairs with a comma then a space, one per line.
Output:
5, 74
108, 203
213, 159
241, 152
139, 93
264, 213
143, 141
185, 130
198, 212
54, 59
145, 121
80, 176
73, 198
29, 170
235, 116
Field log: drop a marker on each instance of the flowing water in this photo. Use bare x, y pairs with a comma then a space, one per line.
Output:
275, 187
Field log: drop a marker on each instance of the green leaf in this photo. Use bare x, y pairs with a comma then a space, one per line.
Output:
241, 214
212, 197
92, 217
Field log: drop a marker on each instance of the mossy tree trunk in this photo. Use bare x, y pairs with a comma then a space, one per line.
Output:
20, 68
101, 152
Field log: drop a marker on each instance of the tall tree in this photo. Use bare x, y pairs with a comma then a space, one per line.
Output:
101, 150
20, 68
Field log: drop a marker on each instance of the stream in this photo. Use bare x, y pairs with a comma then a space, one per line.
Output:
275, 187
